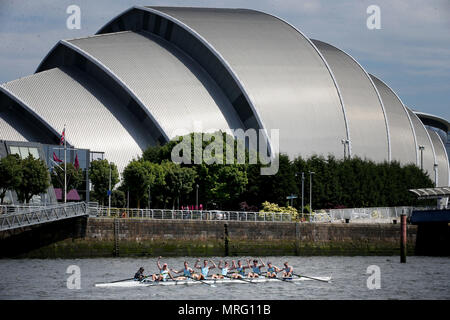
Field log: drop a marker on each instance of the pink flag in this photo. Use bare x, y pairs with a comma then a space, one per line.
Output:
76, 164
55, 158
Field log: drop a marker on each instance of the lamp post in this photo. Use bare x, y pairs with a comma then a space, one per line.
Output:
196, 197
436, 175
149, 196
310, 190
303, 189
421, 148
109, 191
345, 142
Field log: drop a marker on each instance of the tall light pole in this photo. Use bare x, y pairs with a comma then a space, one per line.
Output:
436, 175
345, 142
421, 148
196, 197
303, 189
303, 192
65, 164
310, 190
149, 196
109, 191
128, 200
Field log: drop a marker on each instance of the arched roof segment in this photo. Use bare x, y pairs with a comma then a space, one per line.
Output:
423, 139
94, 118
441, 160
197, 48
403, 139
364, 109
170, 86
294, 92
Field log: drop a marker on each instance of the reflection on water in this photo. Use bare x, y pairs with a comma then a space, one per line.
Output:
420, 278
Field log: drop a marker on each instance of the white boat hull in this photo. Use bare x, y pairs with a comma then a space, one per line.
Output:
134, 283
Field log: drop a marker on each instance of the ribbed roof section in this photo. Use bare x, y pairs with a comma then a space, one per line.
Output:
172, 87
94, 118
423, 139
403, 141
441, 159
281, 72
363, 107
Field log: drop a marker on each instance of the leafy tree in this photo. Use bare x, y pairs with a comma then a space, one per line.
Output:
118, 199
35, 179
99, 176
10, 174
74, 176
178, 182
138, 176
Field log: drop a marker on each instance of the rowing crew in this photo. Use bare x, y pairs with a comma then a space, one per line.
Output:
224, 267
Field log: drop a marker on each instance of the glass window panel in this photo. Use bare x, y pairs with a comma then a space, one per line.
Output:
34, 152
14, 150
23, 152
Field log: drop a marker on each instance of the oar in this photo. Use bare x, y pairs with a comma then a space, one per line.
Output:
121, 280
301, 276
209, 284
249, 281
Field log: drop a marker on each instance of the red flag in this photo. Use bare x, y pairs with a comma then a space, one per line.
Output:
55, 158
61, 142
76, 164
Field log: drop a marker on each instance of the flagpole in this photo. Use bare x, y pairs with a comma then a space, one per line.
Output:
65, 166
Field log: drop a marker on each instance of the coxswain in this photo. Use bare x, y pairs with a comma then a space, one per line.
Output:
140, 274
256, 269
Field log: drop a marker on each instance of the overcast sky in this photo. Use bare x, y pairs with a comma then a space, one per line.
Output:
411, 51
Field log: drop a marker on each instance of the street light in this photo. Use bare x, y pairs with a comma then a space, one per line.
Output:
345, 142
435, 174
310, 190
109, 191
196, 197
303, 189
421, 148
149, 197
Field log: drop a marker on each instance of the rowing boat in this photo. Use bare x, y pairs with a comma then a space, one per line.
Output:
150, 283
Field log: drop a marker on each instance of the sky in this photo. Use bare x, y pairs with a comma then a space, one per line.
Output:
410, 52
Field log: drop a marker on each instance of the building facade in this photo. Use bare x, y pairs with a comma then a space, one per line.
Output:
152, 71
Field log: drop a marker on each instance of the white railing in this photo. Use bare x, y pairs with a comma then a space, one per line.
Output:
364, 215
19, 208
42, 214
168, 214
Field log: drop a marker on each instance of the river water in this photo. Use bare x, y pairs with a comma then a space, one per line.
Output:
419, 278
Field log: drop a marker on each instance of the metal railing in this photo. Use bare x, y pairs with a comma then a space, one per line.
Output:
363, 215
23, 216
18, 208
168, 214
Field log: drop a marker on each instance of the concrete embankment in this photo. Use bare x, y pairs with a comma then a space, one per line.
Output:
107, 237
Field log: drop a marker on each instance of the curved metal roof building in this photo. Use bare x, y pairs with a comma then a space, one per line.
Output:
153, 70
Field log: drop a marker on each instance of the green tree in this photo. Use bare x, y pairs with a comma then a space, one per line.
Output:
35, 180
99, 176
74, 177
118, 199
10, 174
178, 183
138, 176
